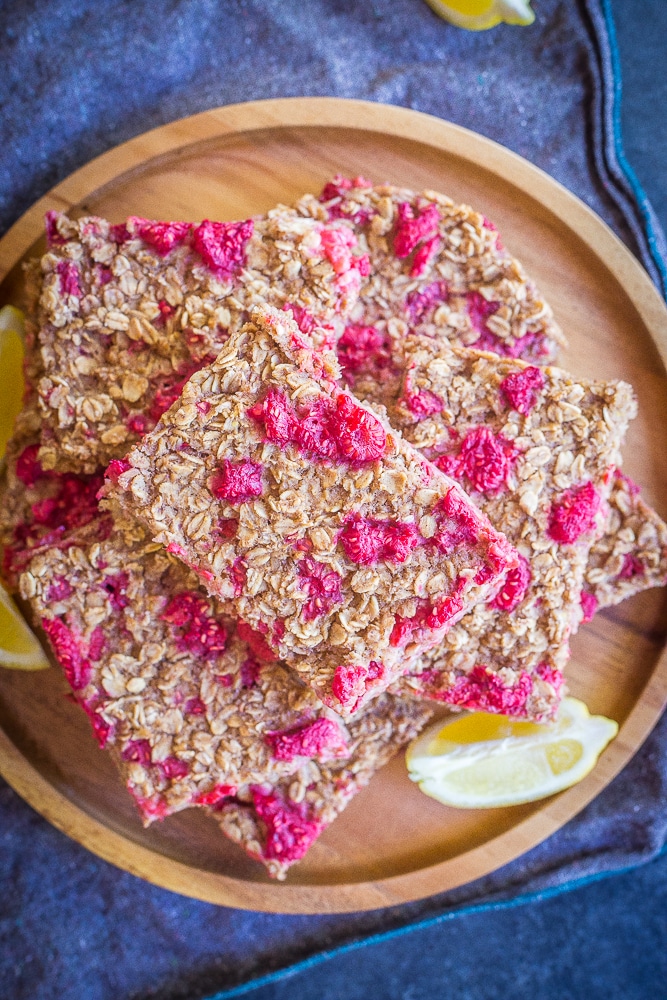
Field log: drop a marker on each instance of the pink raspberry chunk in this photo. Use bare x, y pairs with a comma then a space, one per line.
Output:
323, 586
419, 303
162, 236
423, 403
485, 458
289, 829
320, 740
221, 245
521, 389
351, 682
67, 648
199, 631
514, 587
237, 482
573, 514
410, 230
483, 691
367, 541
589, 605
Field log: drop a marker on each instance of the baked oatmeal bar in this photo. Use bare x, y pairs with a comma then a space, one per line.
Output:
276, 824
536, 449
128, 312
631, 556
438, 268
191, 707
308, 516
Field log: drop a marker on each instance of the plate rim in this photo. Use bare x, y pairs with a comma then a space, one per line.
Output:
299, 112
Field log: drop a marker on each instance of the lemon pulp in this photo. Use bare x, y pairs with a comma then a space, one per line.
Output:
19, 648
11, 371
482, 760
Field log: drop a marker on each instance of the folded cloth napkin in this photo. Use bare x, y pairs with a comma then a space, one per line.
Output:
74, 84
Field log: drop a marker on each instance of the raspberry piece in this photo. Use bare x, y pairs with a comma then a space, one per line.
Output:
367, 541
303, 319
256, 642
116, 468
116, 587
289, 829
479, 310
574, 514
589, 605
201, 634
350, 682
417, 304
316, 434
483, 691
68, 273
215, 795
456, 524
250, 670
514, 587
67, 650
162, 236
221, 245
323, 586
96, 644
28, 467
166, 312
342, 208
410, 230
238, 574
429, 616
226, 528
101, 728
53, 237
521, 389
172, 767
320, 740
237, 482
423, 403
138, 751
195, 706
363, 348
551, 675
632, 567
487, 459
59, 590
278, 416
423, 255
361, 436
119, 233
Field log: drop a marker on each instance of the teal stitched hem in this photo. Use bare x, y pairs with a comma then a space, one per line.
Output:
643, 203
324, 956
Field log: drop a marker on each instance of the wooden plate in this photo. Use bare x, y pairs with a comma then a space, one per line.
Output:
392, 844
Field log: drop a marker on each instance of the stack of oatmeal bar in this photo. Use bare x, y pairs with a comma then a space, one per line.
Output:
281, 484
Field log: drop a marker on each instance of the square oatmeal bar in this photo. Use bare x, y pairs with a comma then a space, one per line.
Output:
276, 824
314, 522
631, 555
193, 710
126, 313
536, 449
438, 268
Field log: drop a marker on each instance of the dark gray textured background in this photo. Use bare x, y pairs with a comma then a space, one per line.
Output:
77, 78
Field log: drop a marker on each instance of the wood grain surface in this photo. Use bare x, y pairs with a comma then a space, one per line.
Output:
392, 844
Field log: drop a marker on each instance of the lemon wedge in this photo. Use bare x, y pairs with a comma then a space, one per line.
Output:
479, 761
11, 371
478, 15
19, 647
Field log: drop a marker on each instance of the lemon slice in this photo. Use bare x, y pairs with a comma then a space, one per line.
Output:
19, 648
480, 760
478, 15
11, 371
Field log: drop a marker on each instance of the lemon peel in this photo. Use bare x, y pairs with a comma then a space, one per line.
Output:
11, 371
479, 761
479, 15
19, 647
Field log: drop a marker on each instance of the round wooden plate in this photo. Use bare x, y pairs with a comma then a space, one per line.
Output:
392, 844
